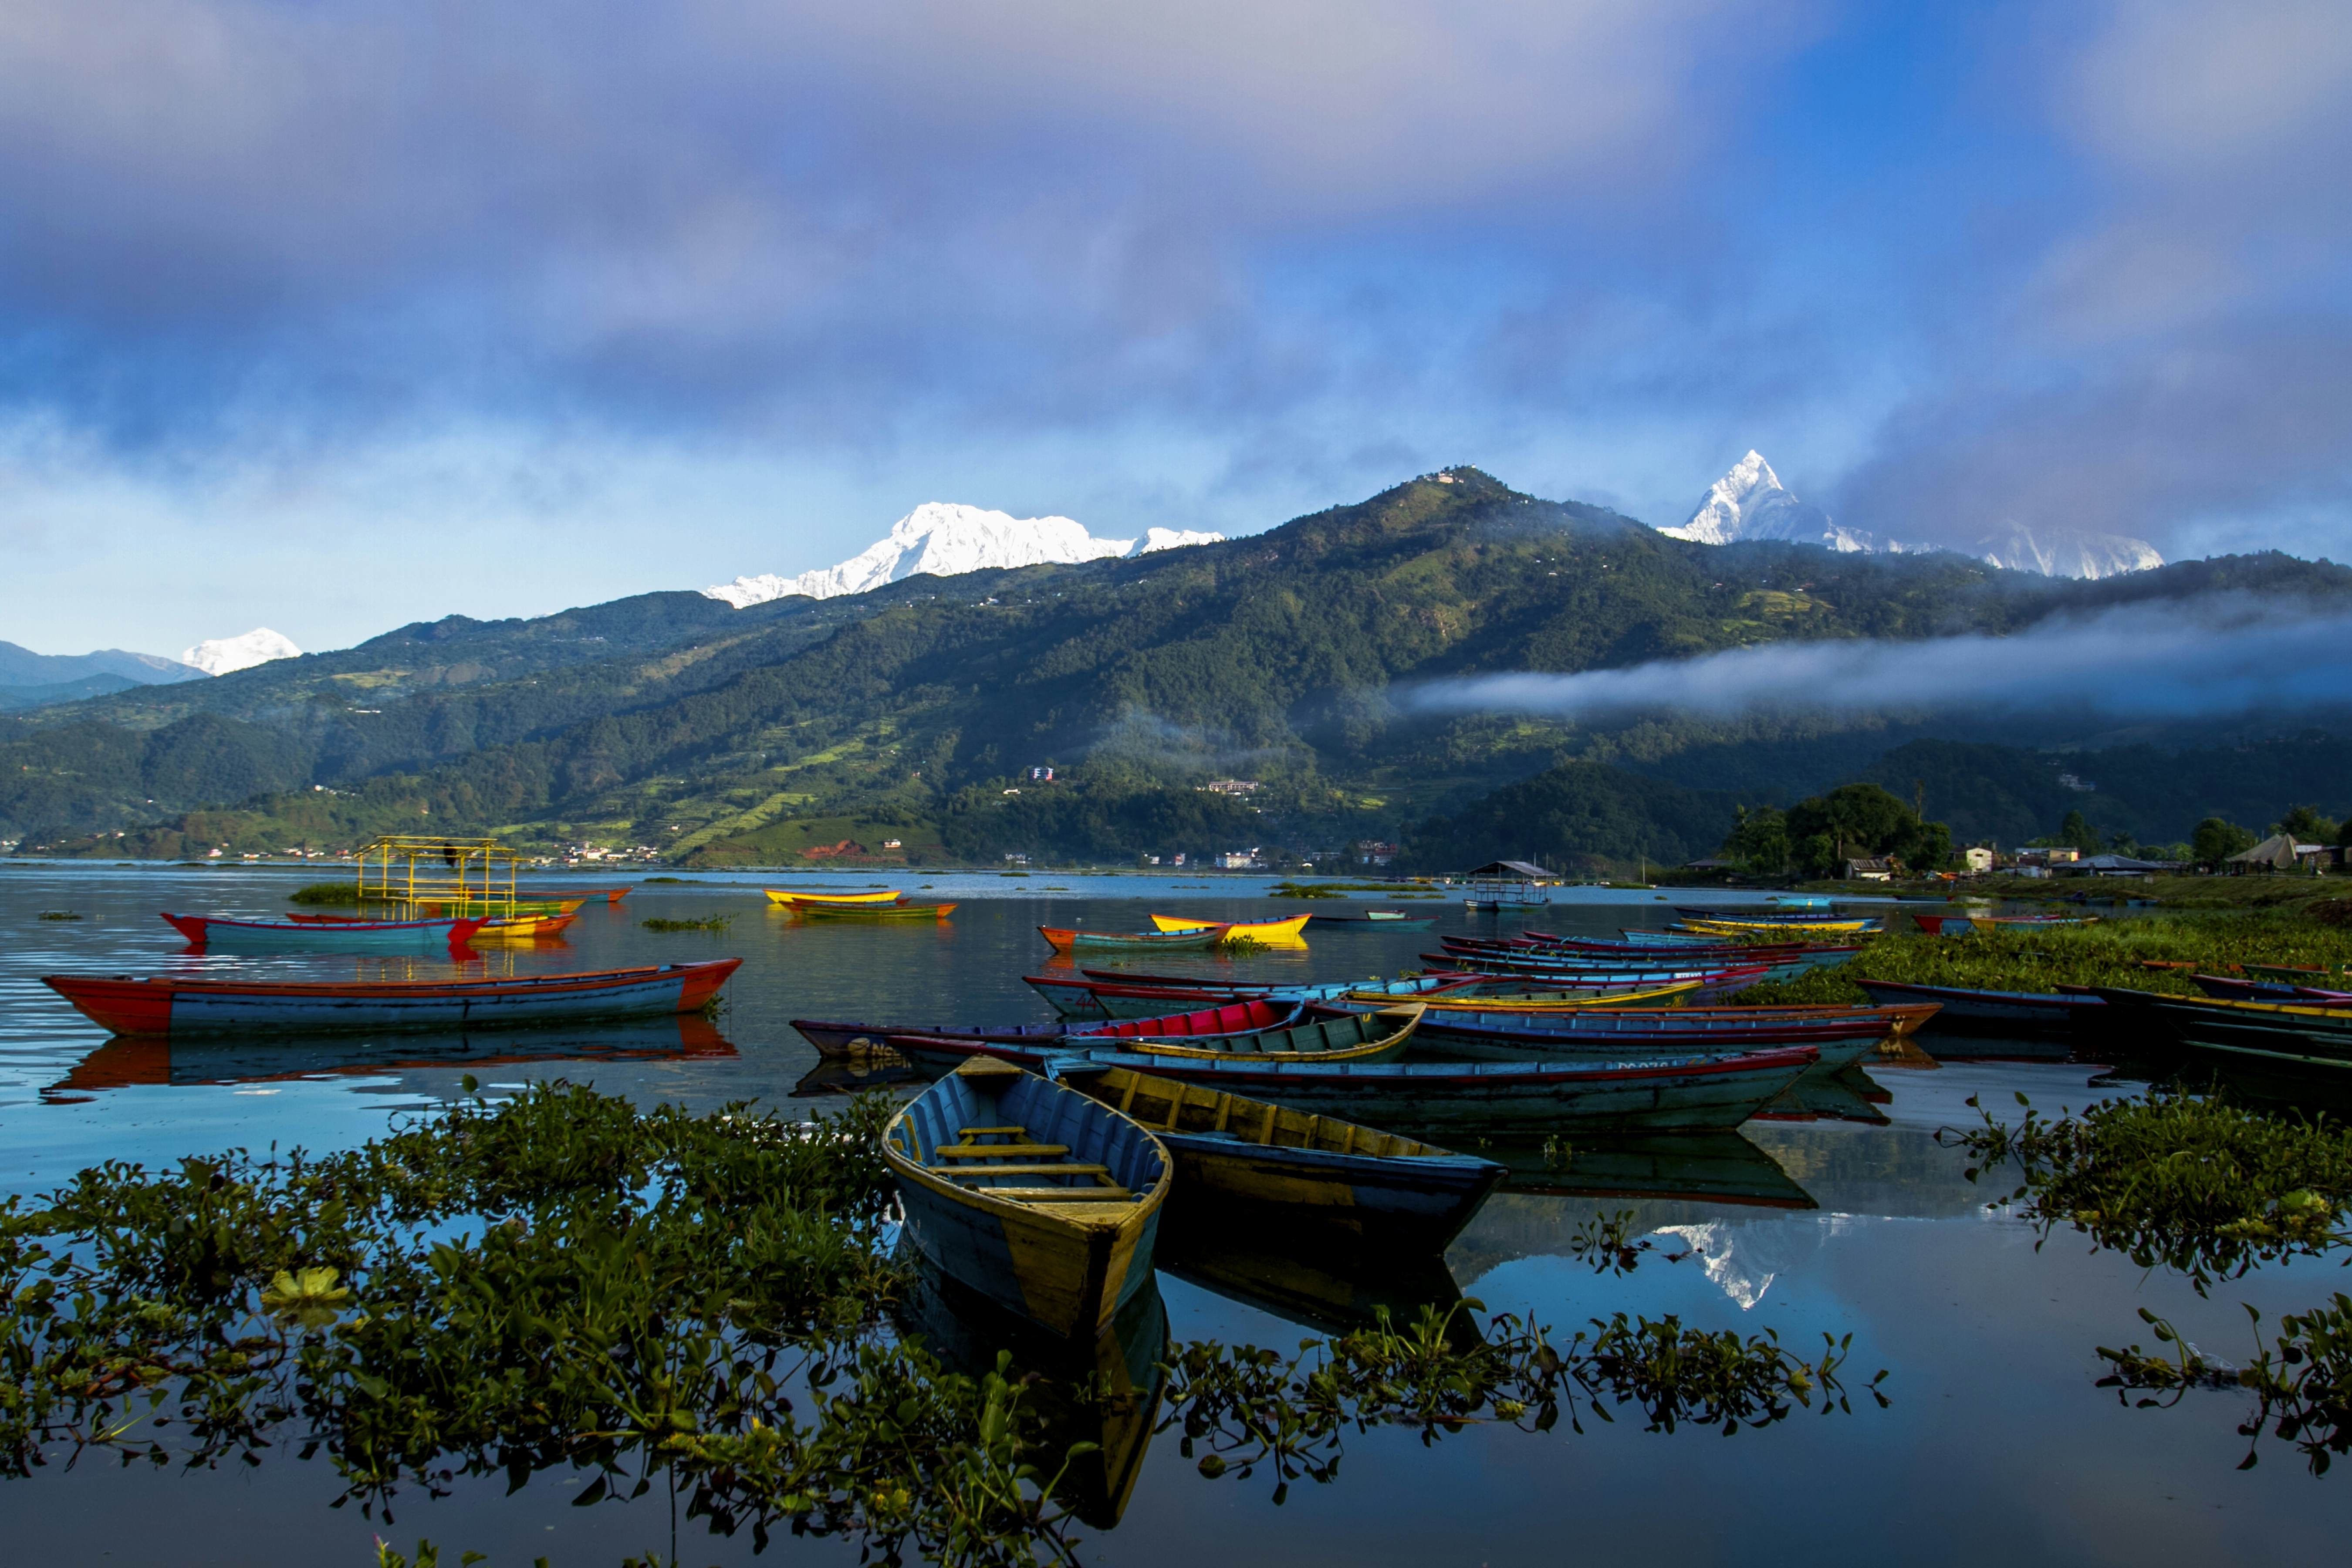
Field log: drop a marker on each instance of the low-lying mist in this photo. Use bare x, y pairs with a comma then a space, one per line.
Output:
2169, 658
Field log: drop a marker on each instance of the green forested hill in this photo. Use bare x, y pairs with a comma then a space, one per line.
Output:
911, 713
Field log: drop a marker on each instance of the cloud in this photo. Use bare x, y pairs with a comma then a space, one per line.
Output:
2162, 658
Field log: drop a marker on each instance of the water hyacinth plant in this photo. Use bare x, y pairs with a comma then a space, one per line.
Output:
561, 1282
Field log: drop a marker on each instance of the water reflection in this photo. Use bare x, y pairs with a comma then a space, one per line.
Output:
1106, 1392
1713, 1167
124, 1061
1330, 1290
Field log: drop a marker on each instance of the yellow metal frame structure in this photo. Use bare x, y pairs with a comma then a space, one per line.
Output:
467, 874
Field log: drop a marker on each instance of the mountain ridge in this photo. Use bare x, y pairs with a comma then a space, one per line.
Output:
719, 734
945, 538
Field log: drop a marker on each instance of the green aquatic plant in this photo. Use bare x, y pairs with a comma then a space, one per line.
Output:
1242, 1407
559, 1282
58, 915
2113, 953
1240, 945
345, 893
2198, 1183
2302, 1379
703, 922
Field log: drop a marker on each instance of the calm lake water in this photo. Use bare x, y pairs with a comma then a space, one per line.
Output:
1845, 1219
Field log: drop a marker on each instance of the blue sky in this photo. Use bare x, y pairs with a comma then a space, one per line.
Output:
330, 317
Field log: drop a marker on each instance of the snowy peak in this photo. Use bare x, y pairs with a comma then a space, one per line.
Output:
2068, 552
223, 655
944, 540
1751, 502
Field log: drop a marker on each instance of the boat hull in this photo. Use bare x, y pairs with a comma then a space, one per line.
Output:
1997, 1012
1687, 1094
1065, 1267
784, 897
1063, 940
217, 935
178, 1008
1284, 930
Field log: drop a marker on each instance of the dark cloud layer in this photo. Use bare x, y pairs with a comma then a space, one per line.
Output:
2073, 261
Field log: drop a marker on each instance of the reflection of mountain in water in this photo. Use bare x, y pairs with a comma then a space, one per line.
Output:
124, 1061
1838, 1094
1731, 1257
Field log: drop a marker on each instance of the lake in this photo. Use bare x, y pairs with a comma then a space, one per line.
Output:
1840, 1217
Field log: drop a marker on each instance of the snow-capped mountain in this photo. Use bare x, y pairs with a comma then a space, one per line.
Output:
222, 655
1751, 502
943, 540
2076, 552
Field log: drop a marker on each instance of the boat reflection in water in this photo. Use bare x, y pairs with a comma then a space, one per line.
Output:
1329, 1288
1708, 1167
1836, 1094
124, 1061
1106, 1392
881, 1070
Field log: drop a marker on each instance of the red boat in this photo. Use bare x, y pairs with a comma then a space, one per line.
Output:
172, 1004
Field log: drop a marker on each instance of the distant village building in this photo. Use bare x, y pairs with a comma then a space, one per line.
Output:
1240, 859
1873, 869
1016, 859
1374, 852
2116, 865
1231, 786
1978, 858
2279, 853
1041, 775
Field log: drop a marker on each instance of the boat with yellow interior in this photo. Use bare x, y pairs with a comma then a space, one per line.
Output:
1282, 930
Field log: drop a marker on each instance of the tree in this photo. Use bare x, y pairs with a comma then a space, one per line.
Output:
2304, 824
1759, 841
2216, 839
2076, 833
1862, 820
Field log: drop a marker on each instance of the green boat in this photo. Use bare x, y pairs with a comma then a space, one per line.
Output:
2279, 1033
873, 911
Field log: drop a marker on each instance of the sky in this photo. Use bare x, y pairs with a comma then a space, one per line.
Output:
330, 317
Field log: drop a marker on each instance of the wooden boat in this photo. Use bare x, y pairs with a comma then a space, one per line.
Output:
2276, 1034
1676, 1094
1029, 1193
225, 935
1285, 929
849, 1041
1063, 939
1371, 919
789, 897
1793, 917
1854, 926
1570, 977
1997, 1012
495, 909
177, 1006
1509, 1037
2231, 989
906, 911
2034, 920
1100, 998
1296, 1168
1945, 925
1321, 1035
2306, 975
1548, 1001
521, 928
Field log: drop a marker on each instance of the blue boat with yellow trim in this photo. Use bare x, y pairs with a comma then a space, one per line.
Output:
1320, 1172
1040, 1198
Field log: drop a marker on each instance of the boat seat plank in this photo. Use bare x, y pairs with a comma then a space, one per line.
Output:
1001, 1151
965, 1172
1063, 1195
969, 1134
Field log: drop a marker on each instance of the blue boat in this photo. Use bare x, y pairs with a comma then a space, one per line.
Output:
317, 933
1303, 1170
1685, 1094
1992, 1012
1029, 1193
1606, 1033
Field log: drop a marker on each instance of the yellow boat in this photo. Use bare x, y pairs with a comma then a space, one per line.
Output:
1552, 1002
1750, 928
780, 896
521, 928
1256, 930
